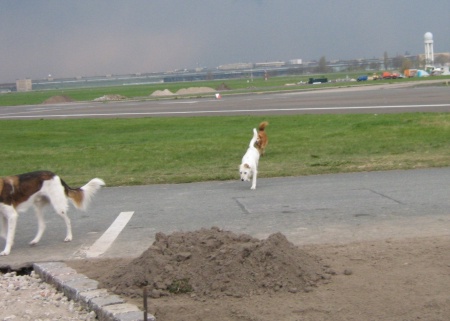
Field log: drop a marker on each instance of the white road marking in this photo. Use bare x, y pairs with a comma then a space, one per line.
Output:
181, 102
226, 111
105, 241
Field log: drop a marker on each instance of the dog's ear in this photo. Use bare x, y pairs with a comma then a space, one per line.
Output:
246, 165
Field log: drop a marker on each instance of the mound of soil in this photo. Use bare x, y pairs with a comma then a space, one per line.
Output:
404, 279
110, 98
58, 100
165, 92
195, 90
214, 263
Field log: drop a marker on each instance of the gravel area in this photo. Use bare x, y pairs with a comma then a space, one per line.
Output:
27, 297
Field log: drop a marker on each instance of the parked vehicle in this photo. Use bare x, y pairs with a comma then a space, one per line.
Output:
362, 78
410, 73
390, 75
317, 80
386, 75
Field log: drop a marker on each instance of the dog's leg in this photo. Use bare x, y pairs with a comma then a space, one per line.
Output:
62, 211
41, 223
4, 227
60, 203
255, 173
68, 226
11, 220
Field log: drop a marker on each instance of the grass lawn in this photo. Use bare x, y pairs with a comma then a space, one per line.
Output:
178, 150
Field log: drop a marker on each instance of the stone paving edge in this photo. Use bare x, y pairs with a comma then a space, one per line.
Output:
79, 288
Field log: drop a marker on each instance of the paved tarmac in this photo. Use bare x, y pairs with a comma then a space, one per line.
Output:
335, 208
401, 97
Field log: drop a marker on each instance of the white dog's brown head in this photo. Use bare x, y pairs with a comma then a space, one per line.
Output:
246, 172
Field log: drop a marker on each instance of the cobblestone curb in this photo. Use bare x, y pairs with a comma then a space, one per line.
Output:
79, 288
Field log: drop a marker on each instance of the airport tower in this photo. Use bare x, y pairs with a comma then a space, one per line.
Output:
429, 53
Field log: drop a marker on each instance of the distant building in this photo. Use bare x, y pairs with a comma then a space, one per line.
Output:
295, 62
24, 85
239, 65
429, 52
270, 64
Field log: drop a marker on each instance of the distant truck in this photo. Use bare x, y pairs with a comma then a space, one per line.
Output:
317, 80
409, 73
362, 78
389, 75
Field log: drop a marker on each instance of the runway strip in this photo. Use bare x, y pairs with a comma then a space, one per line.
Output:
225, 111
105, 241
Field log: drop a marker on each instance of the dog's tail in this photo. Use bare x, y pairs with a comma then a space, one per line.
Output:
255, 138
263, 125
81, 197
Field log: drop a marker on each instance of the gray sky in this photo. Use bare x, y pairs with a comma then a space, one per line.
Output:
69, 38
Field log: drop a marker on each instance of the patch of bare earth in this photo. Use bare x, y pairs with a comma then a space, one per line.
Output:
58, 100
195, 90
110, 98
216, 275
165, 92
183, 91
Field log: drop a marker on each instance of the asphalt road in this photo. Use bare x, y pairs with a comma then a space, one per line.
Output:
337, 208
390, 98
122, 221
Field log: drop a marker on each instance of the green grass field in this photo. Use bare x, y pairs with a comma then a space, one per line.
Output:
179, 150
140, 91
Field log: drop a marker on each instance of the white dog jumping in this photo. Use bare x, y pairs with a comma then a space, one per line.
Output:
249, 166
19, 192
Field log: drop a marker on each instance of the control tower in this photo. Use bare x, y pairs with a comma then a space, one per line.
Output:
429, 53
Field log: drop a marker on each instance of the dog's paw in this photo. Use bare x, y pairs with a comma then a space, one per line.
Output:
4, 253
253, 187
34, 242
68, 239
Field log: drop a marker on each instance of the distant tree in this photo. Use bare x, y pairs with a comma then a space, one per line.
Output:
406, 64
374, 66
322, 67
386, 60
364, 65
354, 65
421, 62
442, 59
397, 62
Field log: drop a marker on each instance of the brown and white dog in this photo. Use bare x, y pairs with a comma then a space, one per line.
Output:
263, 140
19, 192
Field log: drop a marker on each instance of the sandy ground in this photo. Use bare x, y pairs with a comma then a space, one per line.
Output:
401, 279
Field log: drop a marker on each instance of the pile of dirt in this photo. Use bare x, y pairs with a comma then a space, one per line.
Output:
387, 279
110, 98
195, 90
165, 92
183, 91
214, 263
58, 100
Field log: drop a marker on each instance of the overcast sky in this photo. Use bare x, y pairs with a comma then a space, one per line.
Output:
69, 38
